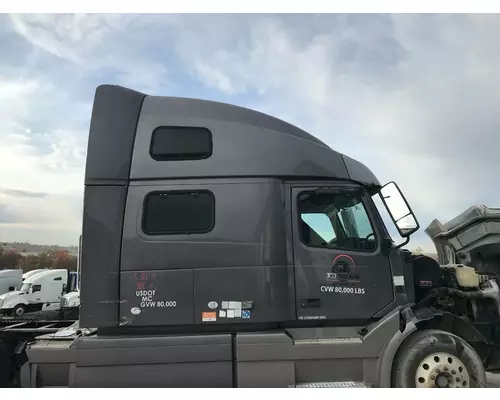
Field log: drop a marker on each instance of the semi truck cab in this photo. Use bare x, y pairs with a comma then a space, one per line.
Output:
10, 280
223, 247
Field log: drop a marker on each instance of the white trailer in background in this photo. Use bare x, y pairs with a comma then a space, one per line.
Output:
10, 280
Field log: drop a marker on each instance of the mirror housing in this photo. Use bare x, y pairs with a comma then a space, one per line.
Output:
398, 208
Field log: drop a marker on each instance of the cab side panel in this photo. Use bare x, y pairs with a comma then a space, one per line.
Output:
237, 271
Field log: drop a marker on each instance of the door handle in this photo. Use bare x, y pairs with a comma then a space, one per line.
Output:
305, 303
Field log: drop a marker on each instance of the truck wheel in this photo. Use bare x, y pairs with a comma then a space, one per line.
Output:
19, 310
437, 359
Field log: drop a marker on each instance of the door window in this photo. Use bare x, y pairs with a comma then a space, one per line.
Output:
36, 288
336, 221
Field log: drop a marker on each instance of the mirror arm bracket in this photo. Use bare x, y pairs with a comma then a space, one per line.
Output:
407, 240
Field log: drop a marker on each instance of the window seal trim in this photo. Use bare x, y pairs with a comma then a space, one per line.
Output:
177, 233
179, 156
370, 219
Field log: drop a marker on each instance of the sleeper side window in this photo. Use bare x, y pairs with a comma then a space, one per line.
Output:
335, 220
178, 212
171, 143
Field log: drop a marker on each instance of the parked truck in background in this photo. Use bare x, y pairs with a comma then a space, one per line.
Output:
33, 272
222, 247
70, 302
41, 291
10, 280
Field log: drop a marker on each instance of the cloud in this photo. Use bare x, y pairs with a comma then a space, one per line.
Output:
22, 193
93, 43
414, 97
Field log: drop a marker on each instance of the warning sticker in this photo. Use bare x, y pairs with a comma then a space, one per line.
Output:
245, 314
209, 316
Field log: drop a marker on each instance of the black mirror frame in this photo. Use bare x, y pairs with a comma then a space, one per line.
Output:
404, 235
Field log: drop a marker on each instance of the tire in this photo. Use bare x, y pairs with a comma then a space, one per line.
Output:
434, 358
19, 310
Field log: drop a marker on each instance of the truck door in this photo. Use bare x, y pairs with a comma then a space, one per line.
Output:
341, 272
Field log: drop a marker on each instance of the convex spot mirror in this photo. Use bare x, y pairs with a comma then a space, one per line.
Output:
399, 210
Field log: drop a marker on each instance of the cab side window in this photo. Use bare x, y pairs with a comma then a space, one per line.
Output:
335, 221
36, 288
179, 212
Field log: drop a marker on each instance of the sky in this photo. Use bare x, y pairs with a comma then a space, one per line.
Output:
413, 97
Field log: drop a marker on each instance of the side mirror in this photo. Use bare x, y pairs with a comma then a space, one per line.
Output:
399, 209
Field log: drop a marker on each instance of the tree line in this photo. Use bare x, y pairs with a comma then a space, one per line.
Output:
56, 259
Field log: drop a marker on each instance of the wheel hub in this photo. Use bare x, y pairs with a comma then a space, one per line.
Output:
442, 370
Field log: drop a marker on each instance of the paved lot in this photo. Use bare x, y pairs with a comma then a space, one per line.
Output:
493, 380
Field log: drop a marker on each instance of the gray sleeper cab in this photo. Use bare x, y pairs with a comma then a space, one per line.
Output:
209, 255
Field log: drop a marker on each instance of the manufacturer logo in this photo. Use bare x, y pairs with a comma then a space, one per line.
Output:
245, 314
213, 305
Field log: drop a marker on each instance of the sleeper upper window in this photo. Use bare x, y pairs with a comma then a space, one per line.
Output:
170, 143
179, 212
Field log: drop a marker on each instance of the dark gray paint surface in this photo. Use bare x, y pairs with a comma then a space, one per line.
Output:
174, 375
112, 131
359, 172
269, 288
258, 353
249, 228
243, 258
245, 143
101, 242
153, 361
123, 121
259, 359
239, 149
156, 297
